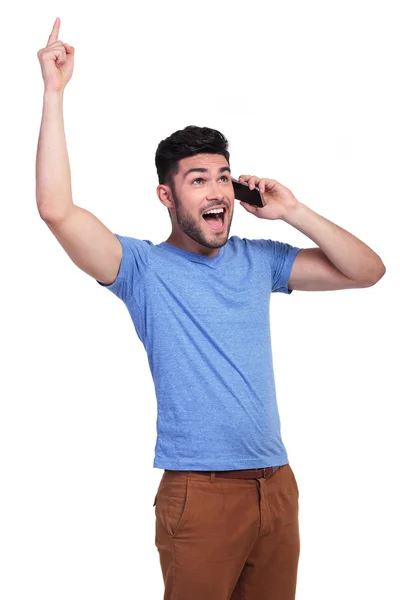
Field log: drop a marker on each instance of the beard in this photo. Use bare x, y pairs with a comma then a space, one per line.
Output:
193, 228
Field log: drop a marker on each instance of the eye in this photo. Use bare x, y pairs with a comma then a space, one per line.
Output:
201, 178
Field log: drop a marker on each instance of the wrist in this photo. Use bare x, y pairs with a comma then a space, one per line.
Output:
293, 214
53, 95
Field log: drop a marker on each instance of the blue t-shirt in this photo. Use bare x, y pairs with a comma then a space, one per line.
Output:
204, 323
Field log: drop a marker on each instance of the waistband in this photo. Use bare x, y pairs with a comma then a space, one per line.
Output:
242, 473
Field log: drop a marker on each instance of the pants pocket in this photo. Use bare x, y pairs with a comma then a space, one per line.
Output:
294, 480
172, 503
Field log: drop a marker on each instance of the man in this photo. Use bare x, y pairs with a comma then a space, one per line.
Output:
227, 504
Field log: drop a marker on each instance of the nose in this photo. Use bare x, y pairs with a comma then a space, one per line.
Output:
215, 192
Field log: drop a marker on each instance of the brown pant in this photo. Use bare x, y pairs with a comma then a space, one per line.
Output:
228, 539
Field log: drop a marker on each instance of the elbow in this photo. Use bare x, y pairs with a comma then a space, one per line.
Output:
380, 272
51, 216
44, 212
377, 276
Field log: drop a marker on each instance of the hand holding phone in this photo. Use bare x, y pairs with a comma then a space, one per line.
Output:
245, 194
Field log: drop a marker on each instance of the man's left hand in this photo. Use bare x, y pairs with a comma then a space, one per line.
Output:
278, 199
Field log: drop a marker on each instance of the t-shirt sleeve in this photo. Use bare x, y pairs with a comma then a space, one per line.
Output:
135, 254
280, 258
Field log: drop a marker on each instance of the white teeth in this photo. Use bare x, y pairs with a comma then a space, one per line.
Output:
215, 210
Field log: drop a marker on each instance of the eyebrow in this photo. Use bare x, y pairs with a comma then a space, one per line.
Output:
203, 170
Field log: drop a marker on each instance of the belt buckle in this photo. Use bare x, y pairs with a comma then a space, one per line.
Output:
264, 474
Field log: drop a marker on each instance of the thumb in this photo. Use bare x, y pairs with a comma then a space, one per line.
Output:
69, 49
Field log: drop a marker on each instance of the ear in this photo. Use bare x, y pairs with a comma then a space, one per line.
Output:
165, 196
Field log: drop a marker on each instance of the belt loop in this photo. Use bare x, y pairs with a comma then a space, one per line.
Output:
212, 476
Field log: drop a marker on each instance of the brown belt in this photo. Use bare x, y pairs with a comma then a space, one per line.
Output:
243, 473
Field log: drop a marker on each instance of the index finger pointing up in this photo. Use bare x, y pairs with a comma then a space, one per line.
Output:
54, 34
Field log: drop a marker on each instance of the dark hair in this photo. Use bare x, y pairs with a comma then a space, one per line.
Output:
187, 142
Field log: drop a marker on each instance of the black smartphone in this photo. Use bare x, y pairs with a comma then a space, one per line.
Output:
245, 194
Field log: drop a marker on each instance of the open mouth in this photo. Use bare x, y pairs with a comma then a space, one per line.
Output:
215, 220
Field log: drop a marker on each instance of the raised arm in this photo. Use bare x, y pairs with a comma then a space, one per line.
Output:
87, 241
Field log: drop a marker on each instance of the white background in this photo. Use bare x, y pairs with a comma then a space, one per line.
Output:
306, 93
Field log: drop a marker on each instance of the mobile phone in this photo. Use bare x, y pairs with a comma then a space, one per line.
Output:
245, 194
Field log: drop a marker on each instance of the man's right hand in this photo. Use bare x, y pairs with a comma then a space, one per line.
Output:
56, 61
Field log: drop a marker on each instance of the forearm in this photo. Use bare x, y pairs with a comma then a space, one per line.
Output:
349, 254
53, 175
